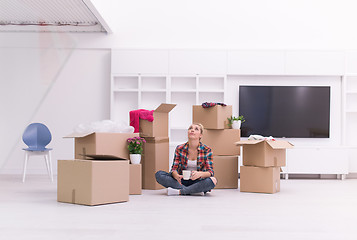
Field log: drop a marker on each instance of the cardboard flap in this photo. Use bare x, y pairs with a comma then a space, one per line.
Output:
248, 142
165, 108
78, 135
102, 157
280, 144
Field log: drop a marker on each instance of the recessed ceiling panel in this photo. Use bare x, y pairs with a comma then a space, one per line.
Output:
50, 15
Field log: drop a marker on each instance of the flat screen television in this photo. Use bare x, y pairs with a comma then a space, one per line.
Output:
285, 111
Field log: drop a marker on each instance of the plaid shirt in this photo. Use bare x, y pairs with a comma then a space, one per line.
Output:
204, 159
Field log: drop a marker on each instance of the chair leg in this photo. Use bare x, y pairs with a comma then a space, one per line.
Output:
47, 164
25, 166
50, 165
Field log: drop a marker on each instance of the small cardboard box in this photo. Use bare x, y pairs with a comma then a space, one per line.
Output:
93, 182
259, 179
222, 142
213, 117
155, 158
226, 171
263, 153
135, 179
160, 126
101, 144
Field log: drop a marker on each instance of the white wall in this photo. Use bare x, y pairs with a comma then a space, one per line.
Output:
61, 92
66, 76
217, 24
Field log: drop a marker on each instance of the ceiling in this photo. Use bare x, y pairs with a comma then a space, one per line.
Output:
50, 16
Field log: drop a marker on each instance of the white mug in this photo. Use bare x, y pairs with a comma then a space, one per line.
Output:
186, 174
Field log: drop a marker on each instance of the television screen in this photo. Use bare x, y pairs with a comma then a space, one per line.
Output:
285, 111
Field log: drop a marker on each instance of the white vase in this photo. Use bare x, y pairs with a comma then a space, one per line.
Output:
135, 158
236, 124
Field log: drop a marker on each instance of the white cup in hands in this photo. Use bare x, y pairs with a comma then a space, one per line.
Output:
186, 174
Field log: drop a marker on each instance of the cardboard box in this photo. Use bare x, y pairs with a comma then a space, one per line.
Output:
101, 144
226, 171
213, 117
93, 182
264, 153
222, 142
259, 179
155, 158
135, 179
160, 126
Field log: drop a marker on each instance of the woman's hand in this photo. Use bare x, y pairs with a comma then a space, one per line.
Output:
196, 175
177, 177
199, 174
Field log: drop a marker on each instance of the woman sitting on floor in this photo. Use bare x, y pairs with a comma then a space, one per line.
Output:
193, 156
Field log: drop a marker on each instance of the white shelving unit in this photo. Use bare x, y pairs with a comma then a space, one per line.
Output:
349, 116
146, 78
136, 91
350, 110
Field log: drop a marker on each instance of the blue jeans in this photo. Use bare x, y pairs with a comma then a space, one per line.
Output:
188, 186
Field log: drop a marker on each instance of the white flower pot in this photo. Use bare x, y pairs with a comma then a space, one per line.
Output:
135, 158
236, 124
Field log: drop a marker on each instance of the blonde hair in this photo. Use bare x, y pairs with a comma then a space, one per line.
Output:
200, 126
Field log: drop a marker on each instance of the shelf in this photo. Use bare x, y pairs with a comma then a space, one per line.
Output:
183, 91
182, 113
153, 83
123, 103
126, 90
130, 91
210, 83
179, 128
210, 97
178, 135
183, 83
125, 82
154, 91
211, 91
151, 100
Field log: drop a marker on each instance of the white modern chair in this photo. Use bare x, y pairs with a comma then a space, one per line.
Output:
37, 136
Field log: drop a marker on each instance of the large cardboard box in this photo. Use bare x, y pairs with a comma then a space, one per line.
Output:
226, 171
213, 117
135, 181
155, 158
101, 144
222, 142
259, 179
160, 126
93, 182
264, 153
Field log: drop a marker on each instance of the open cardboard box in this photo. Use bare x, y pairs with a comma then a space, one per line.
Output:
101, 145
213, 117
160, 126
264, 153
93, 182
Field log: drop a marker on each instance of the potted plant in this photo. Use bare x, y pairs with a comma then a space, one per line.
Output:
235, 122
135, 147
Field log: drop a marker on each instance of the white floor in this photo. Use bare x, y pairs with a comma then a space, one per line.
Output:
304, 209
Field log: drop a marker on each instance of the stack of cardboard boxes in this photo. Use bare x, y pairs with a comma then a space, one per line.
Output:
221, 140
262, 161
107, 177
156, 148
